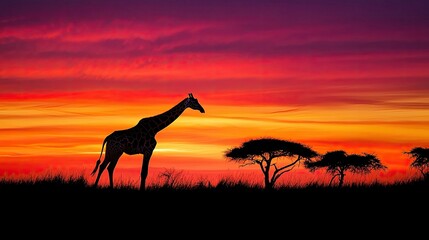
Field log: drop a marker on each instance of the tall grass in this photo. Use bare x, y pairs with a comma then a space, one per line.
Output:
175, 181
48, 181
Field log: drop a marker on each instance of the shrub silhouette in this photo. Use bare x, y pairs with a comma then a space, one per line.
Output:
421, 160
268, 154
172, 178
338, 162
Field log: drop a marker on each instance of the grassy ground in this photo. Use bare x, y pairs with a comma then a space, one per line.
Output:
58, 185
72, 205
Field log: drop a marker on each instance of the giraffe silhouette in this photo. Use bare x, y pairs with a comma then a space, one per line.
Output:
139, 139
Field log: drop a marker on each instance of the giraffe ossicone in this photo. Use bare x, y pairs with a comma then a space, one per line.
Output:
139, 139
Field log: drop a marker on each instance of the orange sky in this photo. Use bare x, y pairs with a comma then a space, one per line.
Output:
334, 76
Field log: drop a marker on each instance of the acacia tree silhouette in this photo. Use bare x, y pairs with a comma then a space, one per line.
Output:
421, 160
338, 162
268, 153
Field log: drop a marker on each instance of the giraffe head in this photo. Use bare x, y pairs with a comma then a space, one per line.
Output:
194, 104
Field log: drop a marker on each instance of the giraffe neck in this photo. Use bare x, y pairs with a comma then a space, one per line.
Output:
162, 120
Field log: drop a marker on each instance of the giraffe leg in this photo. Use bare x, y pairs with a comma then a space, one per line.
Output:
108, 159
145, 168
111, 168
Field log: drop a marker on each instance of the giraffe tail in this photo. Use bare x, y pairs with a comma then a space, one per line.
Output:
96, 167
98, 161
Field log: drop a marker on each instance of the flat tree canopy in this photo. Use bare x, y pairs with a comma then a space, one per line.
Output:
270, 153
421, 160
338, 162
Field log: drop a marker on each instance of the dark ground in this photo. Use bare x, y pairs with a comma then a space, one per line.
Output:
75, 208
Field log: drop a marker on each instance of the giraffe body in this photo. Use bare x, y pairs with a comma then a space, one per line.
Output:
139, 139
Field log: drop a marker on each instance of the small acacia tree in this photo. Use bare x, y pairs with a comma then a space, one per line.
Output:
270, 154
338, 162
421, 160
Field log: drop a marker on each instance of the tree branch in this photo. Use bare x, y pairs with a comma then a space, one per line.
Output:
247, 164
280, 171
333, 177
261, 166
276, 175
267, 167
287, 166
275, 166
422, 171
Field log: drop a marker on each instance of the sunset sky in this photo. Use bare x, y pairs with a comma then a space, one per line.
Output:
350, 75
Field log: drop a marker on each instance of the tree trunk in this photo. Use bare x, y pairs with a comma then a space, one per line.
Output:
425, 177
341, 179
268, 184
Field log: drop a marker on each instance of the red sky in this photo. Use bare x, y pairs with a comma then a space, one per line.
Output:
350, 75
